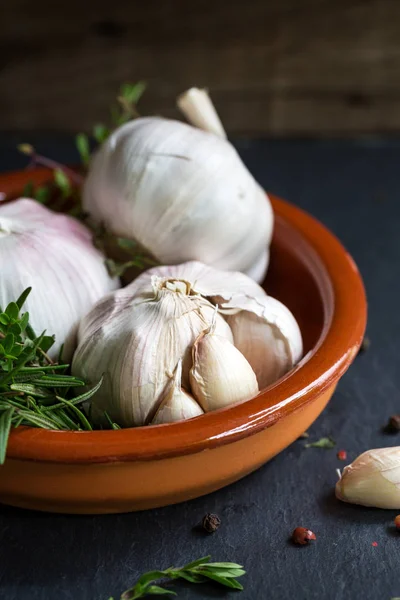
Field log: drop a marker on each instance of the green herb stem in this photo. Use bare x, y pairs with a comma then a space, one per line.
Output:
31, 383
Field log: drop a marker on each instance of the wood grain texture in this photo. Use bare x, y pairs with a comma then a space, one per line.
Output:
305, 67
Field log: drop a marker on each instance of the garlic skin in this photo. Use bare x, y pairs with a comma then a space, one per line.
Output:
269, 338
177, 405
181, 193
373, 479
264, 330
53, 254
136, 340
220, 375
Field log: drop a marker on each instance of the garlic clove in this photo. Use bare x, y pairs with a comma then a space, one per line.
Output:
373, 479
199, 110
220, 375
177, 405
271, 342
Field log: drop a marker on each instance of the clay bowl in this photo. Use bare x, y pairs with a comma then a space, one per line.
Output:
134, 469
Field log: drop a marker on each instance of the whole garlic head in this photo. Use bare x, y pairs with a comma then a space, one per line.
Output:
136, 340
183, 194
54, 255
137, 336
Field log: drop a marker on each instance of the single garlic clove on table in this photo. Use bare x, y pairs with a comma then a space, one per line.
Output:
220, 375
373, 479
177, 405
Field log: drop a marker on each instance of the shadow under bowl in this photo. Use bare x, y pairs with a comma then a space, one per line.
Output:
135, 469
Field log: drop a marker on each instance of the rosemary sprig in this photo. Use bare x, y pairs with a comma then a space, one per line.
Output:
198, 571
34, 390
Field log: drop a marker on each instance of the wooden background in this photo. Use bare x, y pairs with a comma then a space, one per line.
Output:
287, 67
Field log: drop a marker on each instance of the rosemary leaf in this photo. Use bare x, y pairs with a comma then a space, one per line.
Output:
42, 194
62, 181
5, 426
82, 144
28, 388
82, 418
31, 418
100, 133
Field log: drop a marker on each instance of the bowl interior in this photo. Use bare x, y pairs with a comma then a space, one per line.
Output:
298, 278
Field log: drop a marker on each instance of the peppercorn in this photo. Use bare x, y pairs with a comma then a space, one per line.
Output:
302, 536
211, 522
397, 522
342, 455
394, 423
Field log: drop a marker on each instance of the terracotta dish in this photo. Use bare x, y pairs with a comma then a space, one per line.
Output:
134, 469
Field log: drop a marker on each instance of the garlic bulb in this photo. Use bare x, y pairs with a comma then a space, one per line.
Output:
137, 336
177, 405
136, 340
182, 193
373, 479
54, 255
220, 375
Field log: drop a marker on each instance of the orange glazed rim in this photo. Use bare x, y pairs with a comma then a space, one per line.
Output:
345, 309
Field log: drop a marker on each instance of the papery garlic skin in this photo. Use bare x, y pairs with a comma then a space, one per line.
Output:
182, 193
136, 340
176, 405
373, 479
272, 343
53, 254
264, 330
220, 375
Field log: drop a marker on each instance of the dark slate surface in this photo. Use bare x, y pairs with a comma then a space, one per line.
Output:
354, 188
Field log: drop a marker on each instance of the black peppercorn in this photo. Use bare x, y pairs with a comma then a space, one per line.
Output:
211, 522
394, 423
